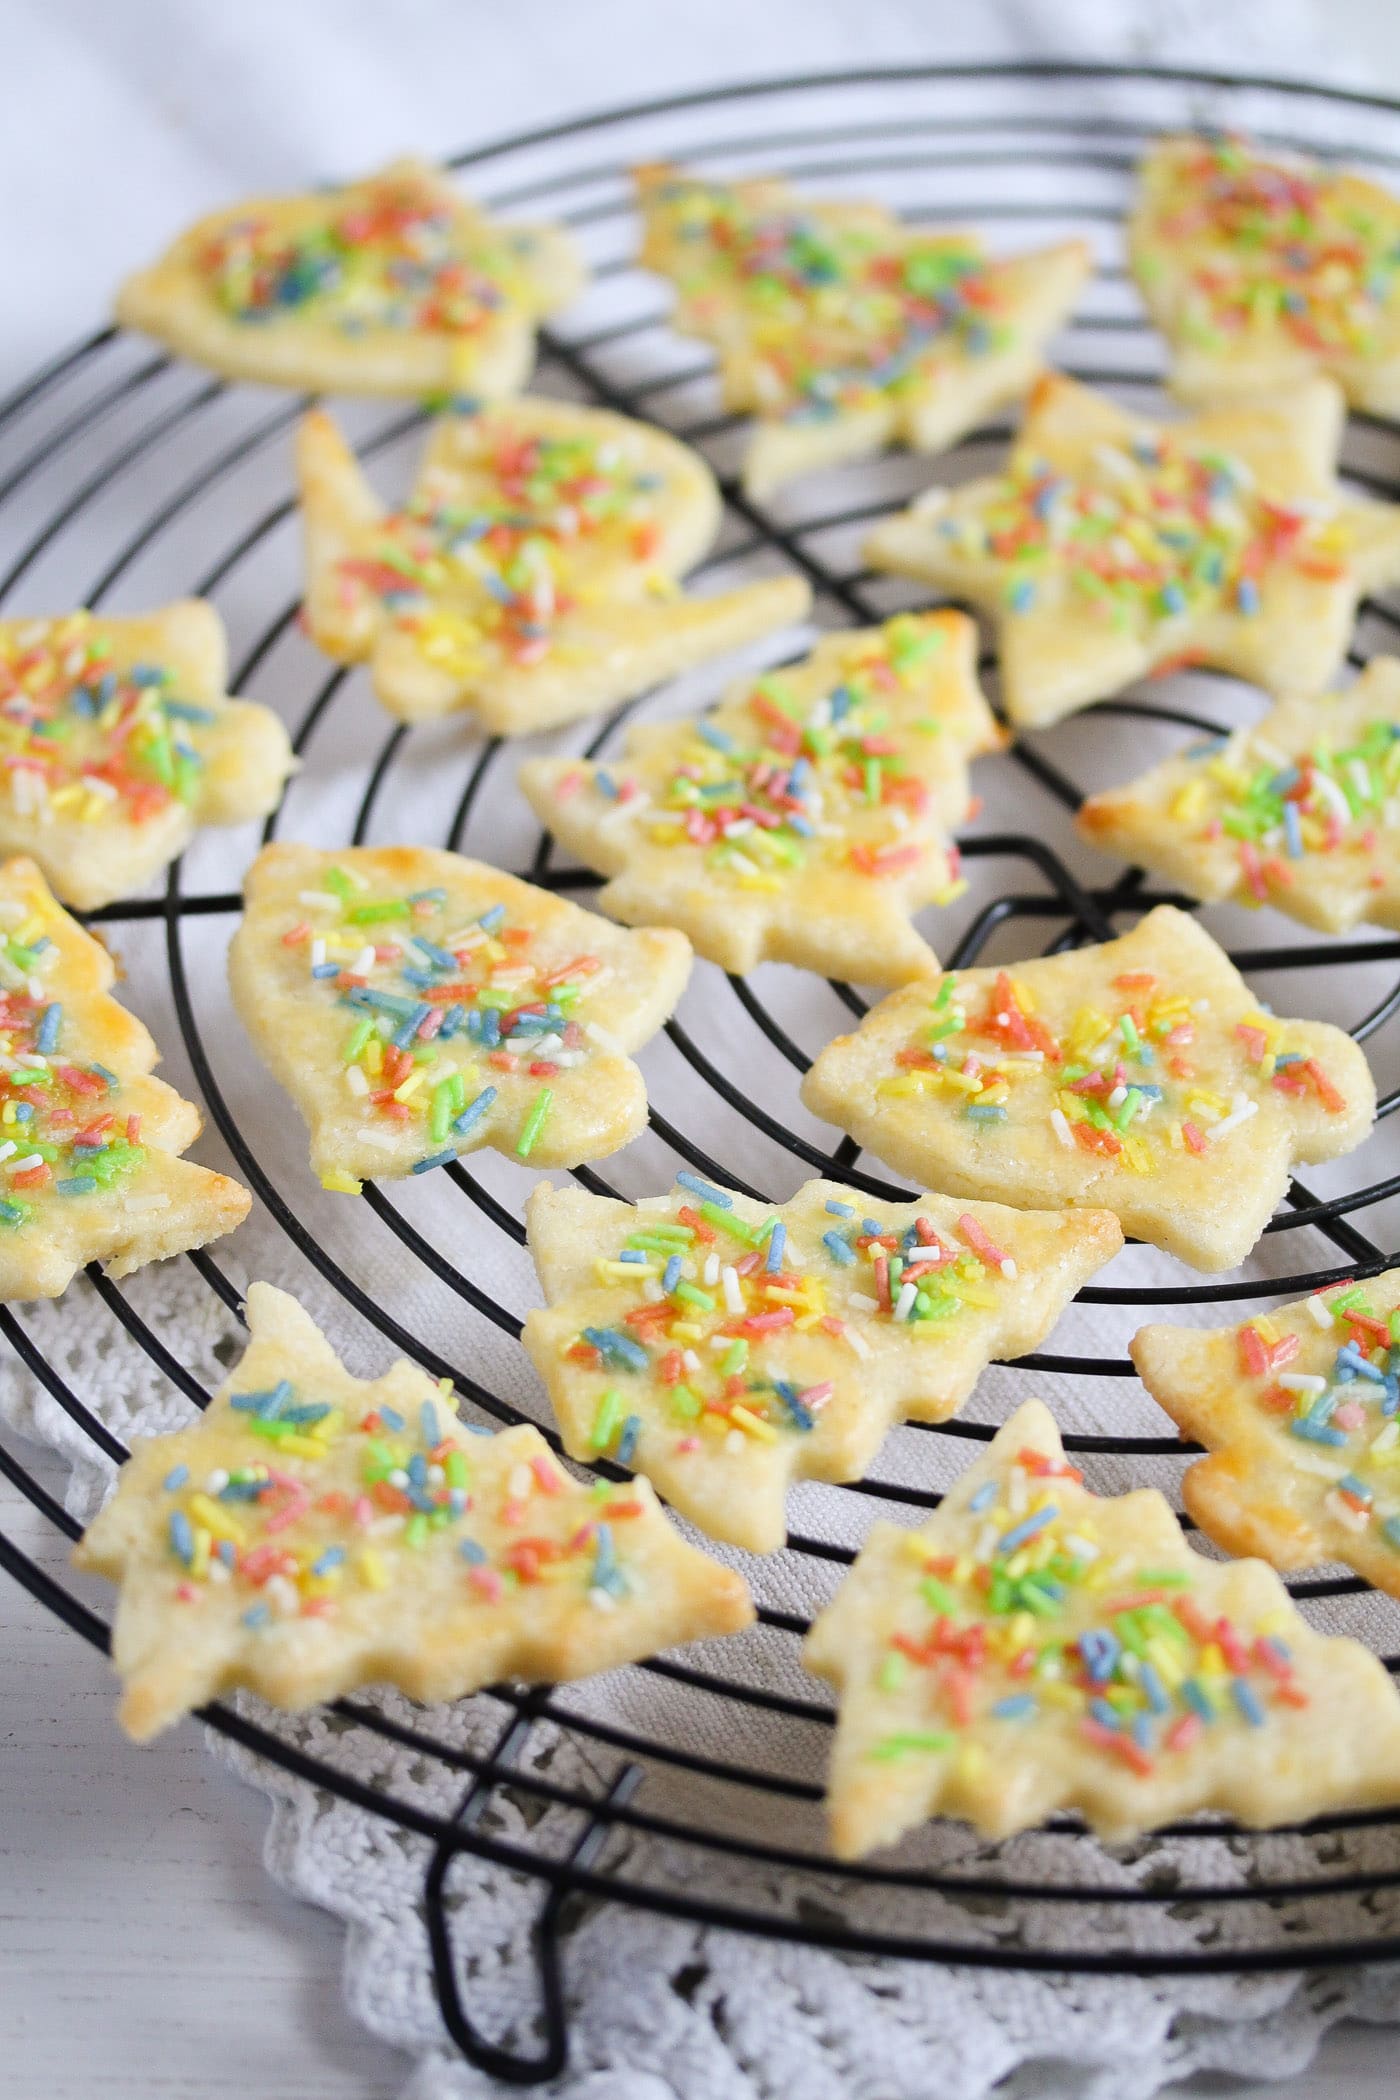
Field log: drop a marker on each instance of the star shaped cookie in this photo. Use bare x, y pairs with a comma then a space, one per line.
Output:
1298, 1410
1033, 1648
89, 1142
532, 577
1139, 1075
395, 284
726, 1348
1262, 270
312, 1532
1302, 811
842, 329
416, 1006
117, 741
1111, 547
806, 819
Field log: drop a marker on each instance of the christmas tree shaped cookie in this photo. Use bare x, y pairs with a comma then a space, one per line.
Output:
1112, 546
391, 285
416, 1005
532, 575
1300, 1412
313, 1532
842, 329
89, 1142
117, 741
1032, 1648
803, 821
1302, 811
725, 1348
1140, 1075
1261, 271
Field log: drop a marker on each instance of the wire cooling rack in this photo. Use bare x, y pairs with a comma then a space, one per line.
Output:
126, 475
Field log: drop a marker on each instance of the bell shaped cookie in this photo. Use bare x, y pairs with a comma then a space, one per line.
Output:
117, 741
1262, 270
532, 576
1139, 1076
416, 1005
395, 284
726, 1348
1034, 1648
806, 819
312, 1532
89, 1142
1112, 547
1302, 811
841, 328
1298, 1411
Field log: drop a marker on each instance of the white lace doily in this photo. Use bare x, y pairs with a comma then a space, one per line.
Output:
660, 2007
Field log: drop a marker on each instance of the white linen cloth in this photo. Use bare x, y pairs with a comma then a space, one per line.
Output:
272, 98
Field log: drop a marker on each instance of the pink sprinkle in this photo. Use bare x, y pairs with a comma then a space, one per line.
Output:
364, 1512
1193, 1137
1182, 1733
686, 1444
1350, 1415
486, 1582
978, 1241
186, 1593
816, 1395
546, 1479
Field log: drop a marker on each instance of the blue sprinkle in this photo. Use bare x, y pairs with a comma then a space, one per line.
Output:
181, 1536
1196, 1699
186, 711
838, 1249
634, 1255
1390, 1531
1140, 1728
983, 1112
404, 1036
605, 783
391, 1418
1021, 596
1099, 1649
313, 1411
1316, 1432
1020, 1533
716, 738
49, 1026
256, 1615
429, 1427
227, 1552
706, 1190
984, 1498
175, 1478
470, 1551
325, 969
777, 1240
1106, 1715
490, 920
617, 1348
1293, 829
77, 1185
1353, 1486
1247, 1700
417, 1470
437, 896
1247, 595
440, 958
438, 1159
474, 1111
1154, 1688
672, 1275
1019, 1707
788, 1394
331, 1558
627, 1442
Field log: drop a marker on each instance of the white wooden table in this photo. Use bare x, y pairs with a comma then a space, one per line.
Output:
143, 1950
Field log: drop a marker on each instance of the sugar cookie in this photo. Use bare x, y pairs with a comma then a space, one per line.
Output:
1262, 270
1139, 1075
89, 1142
1300, 811
1032, 1648
1112, 547
532, 577
391, 285
117, 741
841, 328
417, 1005
806, 819
312, 1532
725, 1347
1298, 1411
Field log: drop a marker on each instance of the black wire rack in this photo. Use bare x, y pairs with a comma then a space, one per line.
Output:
117, 444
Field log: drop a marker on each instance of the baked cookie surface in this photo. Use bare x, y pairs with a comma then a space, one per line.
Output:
806, 818
313, 1531
1298, 1410
1299, 811
416, 1006
1112, 546
1262, 270
118, 740
843, 329
725, 1348
1139, 1076
89, 1141
1034, 1648
532, 576
395, 284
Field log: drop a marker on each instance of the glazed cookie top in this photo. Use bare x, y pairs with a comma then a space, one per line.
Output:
1033, 1647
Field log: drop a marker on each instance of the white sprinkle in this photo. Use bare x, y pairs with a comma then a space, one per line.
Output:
1081, 1548
1321, 1312
690, 1360
216, 1482
733, 1296
355, 1079
520, 1483
282, 1596
857, 1342
318, 900
318, 952
217, 1570
1008, 1268
398, 1478
601, 1599
382, 1138
1118, 1097
1301, 1382
734, 1442
142, 1206
652, 1291
1241, 1109
602, 1038
860, 1302
711, 1269
904, 1303
1060, 1126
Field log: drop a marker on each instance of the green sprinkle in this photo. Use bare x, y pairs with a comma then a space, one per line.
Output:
894, 1671
375, 914
534, 1123
356, 1040
938, 1596
684, 1402
913, 1745
606, 1420
691, 1294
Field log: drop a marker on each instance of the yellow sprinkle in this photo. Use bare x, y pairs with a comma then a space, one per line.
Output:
302, 1446
972, 1762
341, 1184
961, 1082
199, 1559
1190, 801
1052, 1691
371, 1570
410, 1085
216, 1520
754, 1425
623, 1271
373, 1059
686, 1330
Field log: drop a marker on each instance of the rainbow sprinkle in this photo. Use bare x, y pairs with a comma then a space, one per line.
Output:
84, 735
836, 316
